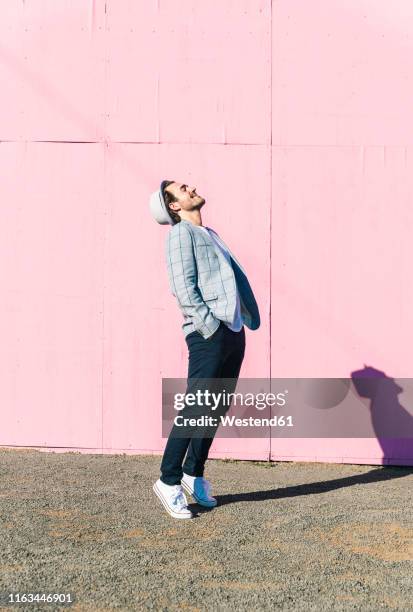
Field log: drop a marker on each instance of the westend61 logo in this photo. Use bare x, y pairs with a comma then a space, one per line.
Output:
213, 400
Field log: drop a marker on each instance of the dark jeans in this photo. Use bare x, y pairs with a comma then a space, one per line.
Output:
220, 356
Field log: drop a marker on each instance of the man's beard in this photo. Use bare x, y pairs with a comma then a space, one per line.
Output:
199, 204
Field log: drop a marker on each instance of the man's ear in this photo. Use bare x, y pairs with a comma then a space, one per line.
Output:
172, 205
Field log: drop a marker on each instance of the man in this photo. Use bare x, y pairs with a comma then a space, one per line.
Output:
216, 300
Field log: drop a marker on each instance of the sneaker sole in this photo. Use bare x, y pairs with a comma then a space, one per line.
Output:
198, 501
167, 508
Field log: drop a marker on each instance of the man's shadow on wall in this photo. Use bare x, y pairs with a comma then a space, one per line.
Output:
392, 423
388, 416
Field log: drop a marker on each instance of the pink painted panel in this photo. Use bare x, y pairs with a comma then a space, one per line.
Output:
12, 54
342, 72
143, 336
340, 450
340, 259
52, 69
189, 71
51, 321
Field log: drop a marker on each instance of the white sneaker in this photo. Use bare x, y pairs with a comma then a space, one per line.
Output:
173, 499
199, 488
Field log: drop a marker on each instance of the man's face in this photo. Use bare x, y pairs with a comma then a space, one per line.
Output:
187, 197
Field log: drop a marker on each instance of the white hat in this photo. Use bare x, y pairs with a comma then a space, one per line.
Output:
158, 207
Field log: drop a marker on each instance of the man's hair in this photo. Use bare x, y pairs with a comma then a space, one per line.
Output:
169, 197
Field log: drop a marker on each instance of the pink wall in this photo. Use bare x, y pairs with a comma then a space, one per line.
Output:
293, 119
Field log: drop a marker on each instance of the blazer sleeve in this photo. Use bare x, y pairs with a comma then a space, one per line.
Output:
183, 280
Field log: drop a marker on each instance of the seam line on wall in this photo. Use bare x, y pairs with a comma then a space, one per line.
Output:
270, 283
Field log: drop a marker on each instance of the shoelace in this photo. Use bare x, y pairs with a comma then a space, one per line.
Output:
178, 498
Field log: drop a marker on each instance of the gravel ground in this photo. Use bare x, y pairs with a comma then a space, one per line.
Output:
285, 536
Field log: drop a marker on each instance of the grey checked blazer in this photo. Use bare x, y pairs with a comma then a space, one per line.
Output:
204, 283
